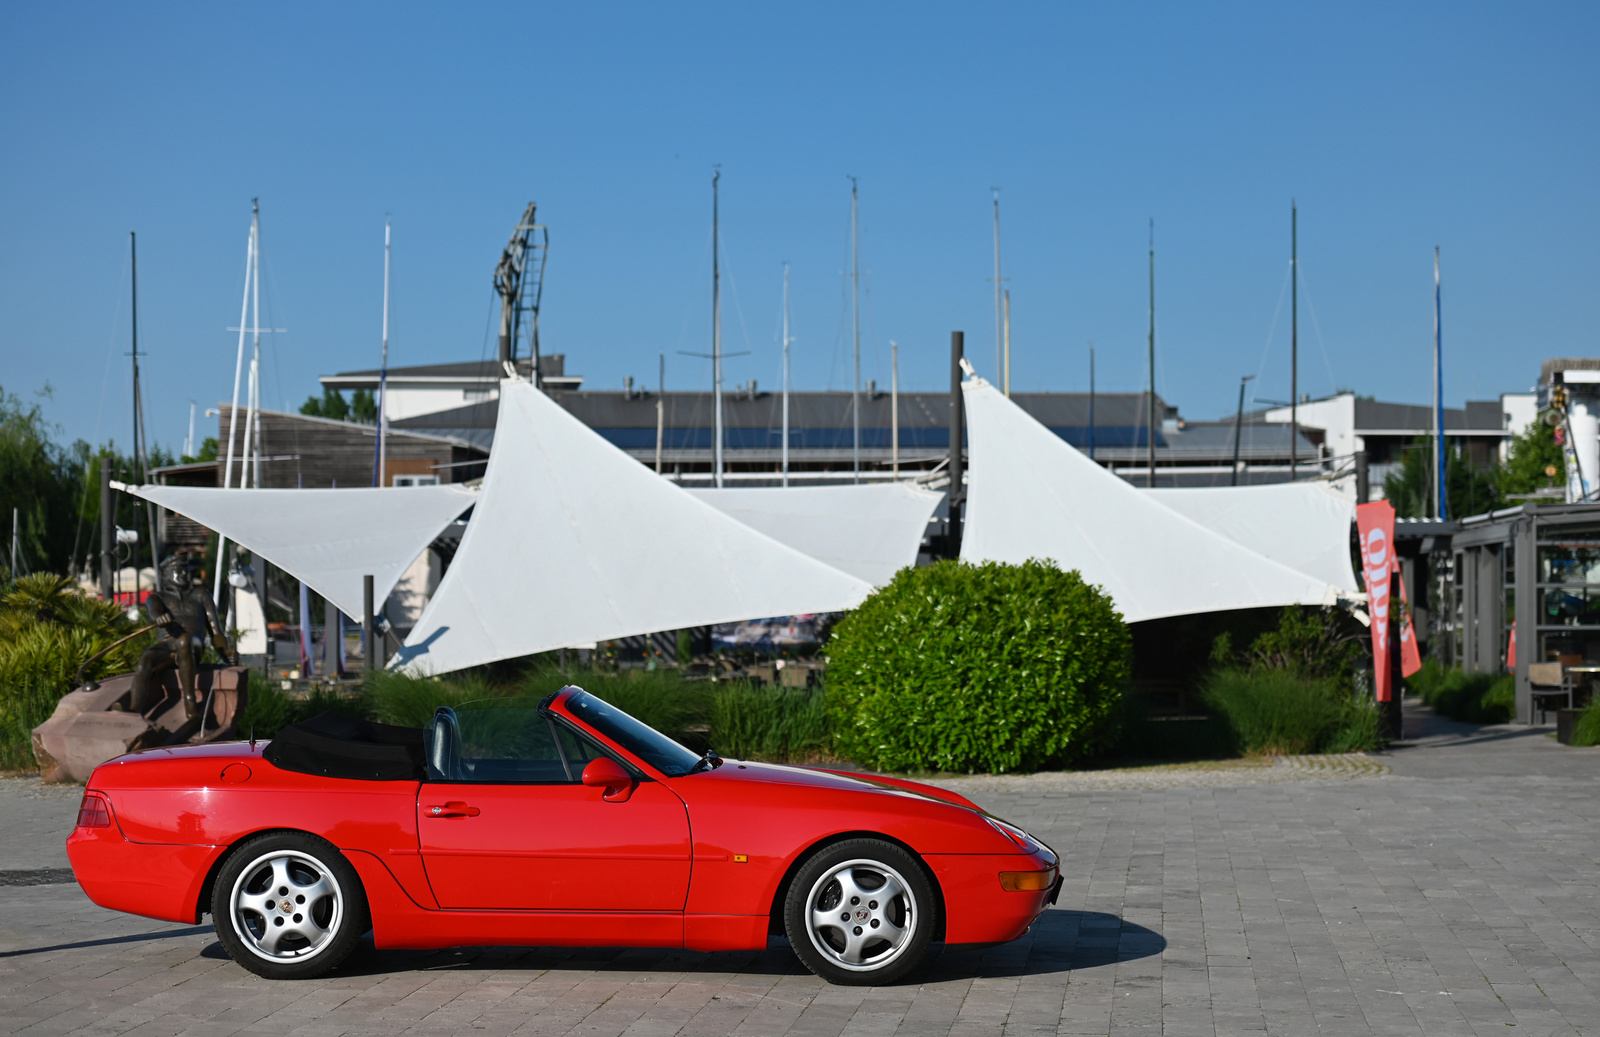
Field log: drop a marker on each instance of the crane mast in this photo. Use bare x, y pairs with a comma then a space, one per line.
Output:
519, 281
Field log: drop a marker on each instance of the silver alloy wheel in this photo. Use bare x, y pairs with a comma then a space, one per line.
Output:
286, 906
861, 915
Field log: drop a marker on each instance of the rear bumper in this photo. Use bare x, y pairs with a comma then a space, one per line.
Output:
977, 910
154, 880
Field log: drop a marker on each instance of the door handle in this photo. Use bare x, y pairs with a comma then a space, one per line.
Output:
454, 808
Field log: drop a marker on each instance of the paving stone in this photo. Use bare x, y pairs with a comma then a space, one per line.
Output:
1447, 887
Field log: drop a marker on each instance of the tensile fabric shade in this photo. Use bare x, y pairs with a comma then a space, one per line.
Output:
328, 538
870, 531
574, 542
1030, 494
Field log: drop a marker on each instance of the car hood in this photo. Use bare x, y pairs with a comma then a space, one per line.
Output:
782, 774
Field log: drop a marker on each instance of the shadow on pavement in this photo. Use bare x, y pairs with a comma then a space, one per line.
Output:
1060, 941
163, 934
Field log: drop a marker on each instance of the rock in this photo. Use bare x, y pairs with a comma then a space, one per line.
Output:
90, 727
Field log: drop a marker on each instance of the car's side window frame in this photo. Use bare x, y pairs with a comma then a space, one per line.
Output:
557, 725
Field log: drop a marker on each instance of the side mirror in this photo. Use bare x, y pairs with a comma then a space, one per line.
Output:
605, 773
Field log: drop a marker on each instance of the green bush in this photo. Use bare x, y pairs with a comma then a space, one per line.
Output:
1279, 711
399, 698
660, 698
47, 629
268, 710
1477, 698
1587, 730
994, 668
782, 725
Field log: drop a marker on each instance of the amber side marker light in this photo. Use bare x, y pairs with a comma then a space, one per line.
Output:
94, 811
1027, 881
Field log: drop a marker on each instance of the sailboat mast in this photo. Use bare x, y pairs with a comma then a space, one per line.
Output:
1150, 402
233, 409
1442, 509
1091, 399
1294, 338
1008, 341
253, 418
999, 344
238, 363
894, 407
855, 313
381, 476
141, 455
786, 341
716, 335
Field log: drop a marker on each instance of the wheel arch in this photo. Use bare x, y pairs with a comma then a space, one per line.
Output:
775, 912
208, 887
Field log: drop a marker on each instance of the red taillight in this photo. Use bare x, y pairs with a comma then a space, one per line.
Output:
94, 811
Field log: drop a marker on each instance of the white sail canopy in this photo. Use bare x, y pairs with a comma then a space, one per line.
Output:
870, 531
1032, 495
327, 538
1304, 525
574, 542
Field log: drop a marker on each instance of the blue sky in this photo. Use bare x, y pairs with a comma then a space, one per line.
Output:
1396, 127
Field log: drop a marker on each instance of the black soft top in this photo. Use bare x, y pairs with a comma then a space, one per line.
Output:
336, 745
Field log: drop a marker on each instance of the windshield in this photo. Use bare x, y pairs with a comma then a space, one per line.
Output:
641, 740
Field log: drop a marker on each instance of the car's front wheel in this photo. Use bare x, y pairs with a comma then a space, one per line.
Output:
288, 905
860, 912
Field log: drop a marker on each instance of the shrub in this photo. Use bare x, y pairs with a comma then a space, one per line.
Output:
1587, 730
660, 698
268, 710
1279, 711
1477, 698
991, 667
782, 725
399, 698
47, 629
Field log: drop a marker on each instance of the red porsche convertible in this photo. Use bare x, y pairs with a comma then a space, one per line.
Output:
558, 822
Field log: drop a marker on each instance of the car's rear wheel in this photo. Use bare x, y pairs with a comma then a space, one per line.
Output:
288, 905
860, 912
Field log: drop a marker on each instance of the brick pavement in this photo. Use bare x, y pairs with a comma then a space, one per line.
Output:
1458, 895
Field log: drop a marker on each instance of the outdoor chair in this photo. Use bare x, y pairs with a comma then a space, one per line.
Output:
1548, 681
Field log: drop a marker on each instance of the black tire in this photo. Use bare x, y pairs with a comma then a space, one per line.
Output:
288, 905
842, 931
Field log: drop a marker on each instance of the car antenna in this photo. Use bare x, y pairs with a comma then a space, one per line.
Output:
252, 738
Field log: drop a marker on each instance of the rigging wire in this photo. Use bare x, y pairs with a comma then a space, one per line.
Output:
1333, 384
1272, 330
100, 411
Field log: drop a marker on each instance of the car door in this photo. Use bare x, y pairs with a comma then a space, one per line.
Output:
505, 822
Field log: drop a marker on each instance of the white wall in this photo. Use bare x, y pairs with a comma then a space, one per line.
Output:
1336, 416
403, 402
1518, 410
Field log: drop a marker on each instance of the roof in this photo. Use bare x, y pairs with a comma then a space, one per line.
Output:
1477, 416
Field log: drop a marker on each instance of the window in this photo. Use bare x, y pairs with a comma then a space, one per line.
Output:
638, 738
416, 480
505, 741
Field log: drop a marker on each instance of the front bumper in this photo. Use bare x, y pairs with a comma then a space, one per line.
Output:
977, 910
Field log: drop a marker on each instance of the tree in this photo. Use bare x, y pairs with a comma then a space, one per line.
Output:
1468, 490
363, 407
39, 488
208, 452
1528, 460
331, 405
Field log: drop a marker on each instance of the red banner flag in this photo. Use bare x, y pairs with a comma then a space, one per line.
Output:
1410, 657
1375, 532
1511, 649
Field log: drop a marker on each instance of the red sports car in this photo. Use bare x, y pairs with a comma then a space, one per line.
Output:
557, 822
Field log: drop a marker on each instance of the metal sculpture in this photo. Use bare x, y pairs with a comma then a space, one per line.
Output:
186, 617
